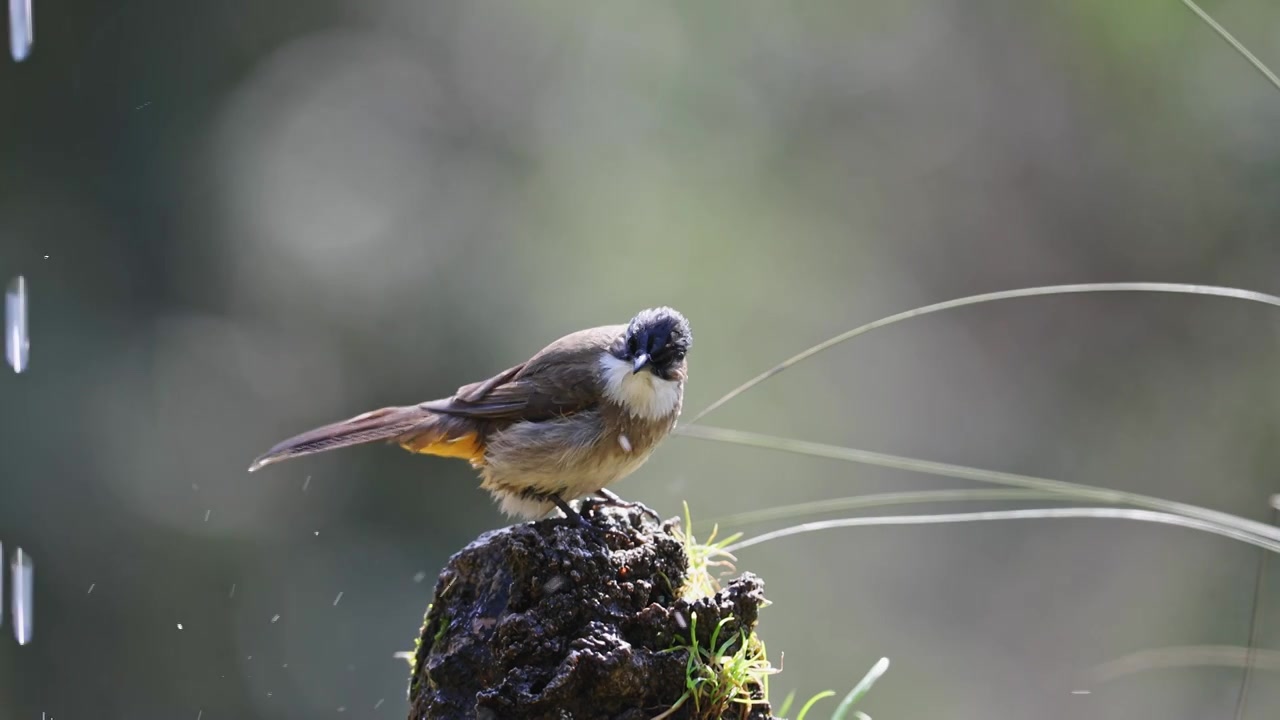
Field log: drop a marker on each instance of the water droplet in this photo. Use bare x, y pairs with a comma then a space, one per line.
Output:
206, 515
1081, 692
17, 345
342, 708
179, 626
554, 584
199, 715
274, 618
1275, 501
305, 483
91, 587
419, 576
379, 703
681, 621
23, 577
335, 600
233, 591
21, 29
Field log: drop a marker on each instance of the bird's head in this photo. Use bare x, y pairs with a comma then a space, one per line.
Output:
656, 341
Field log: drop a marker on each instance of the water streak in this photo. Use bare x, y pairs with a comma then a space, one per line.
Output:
22, 576
16, 343
21, 30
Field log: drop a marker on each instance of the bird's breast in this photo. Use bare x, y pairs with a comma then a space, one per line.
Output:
628, 440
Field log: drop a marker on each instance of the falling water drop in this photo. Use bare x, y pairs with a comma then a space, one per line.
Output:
21, 30
16, 343
22, 572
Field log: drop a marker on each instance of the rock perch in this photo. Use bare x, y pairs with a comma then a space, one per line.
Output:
553, 620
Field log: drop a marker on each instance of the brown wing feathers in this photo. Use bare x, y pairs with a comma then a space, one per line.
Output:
558, 381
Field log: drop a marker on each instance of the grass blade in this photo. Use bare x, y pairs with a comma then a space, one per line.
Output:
1260, 534
786, 704
1186, 656
1233, 42
1178, 288
1030, 514
805, 710
861, 502
860, 689
1255, 626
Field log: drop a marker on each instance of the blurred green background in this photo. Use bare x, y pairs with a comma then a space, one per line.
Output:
238, 220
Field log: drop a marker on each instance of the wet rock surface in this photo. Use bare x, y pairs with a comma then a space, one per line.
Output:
554, 620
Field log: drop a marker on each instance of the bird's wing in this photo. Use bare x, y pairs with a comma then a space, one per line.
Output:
562, 379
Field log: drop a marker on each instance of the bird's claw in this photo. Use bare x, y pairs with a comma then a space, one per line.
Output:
613, 499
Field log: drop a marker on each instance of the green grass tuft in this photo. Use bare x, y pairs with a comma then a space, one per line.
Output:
724, 675
703, 556
730, 673
733, 673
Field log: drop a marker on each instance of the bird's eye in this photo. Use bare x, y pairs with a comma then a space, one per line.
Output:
631, 344
678, 356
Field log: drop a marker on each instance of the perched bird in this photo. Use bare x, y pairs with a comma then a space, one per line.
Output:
585, 411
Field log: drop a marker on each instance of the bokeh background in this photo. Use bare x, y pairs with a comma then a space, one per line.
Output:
238, 220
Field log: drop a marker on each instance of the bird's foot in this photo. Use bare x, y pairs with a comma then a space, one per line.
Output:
576, 517
612, 498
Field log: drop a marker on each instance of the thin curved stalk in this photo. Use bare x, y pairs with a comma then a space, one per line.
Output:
990, 515
1178, 288
1186, 656
1233, 42
862, 502
1263, 535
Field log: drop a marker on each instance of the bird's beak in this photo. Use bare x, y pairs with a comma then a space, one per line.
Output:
641, 360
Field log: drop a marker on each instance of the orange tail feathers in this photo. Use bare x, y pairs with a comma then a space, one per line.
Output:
384, 424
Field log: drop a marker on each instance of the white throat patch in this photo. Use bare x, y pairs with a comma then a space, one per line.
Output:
642, 394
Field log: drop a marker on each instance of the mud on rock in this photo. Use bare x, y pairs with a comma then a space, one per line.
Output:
554, 620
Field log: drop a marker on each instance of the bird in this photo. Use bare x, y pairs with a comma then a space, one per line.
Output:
582, 413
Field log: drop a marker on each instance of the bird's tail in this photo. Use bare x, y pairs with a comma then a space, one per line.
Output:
384, 424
